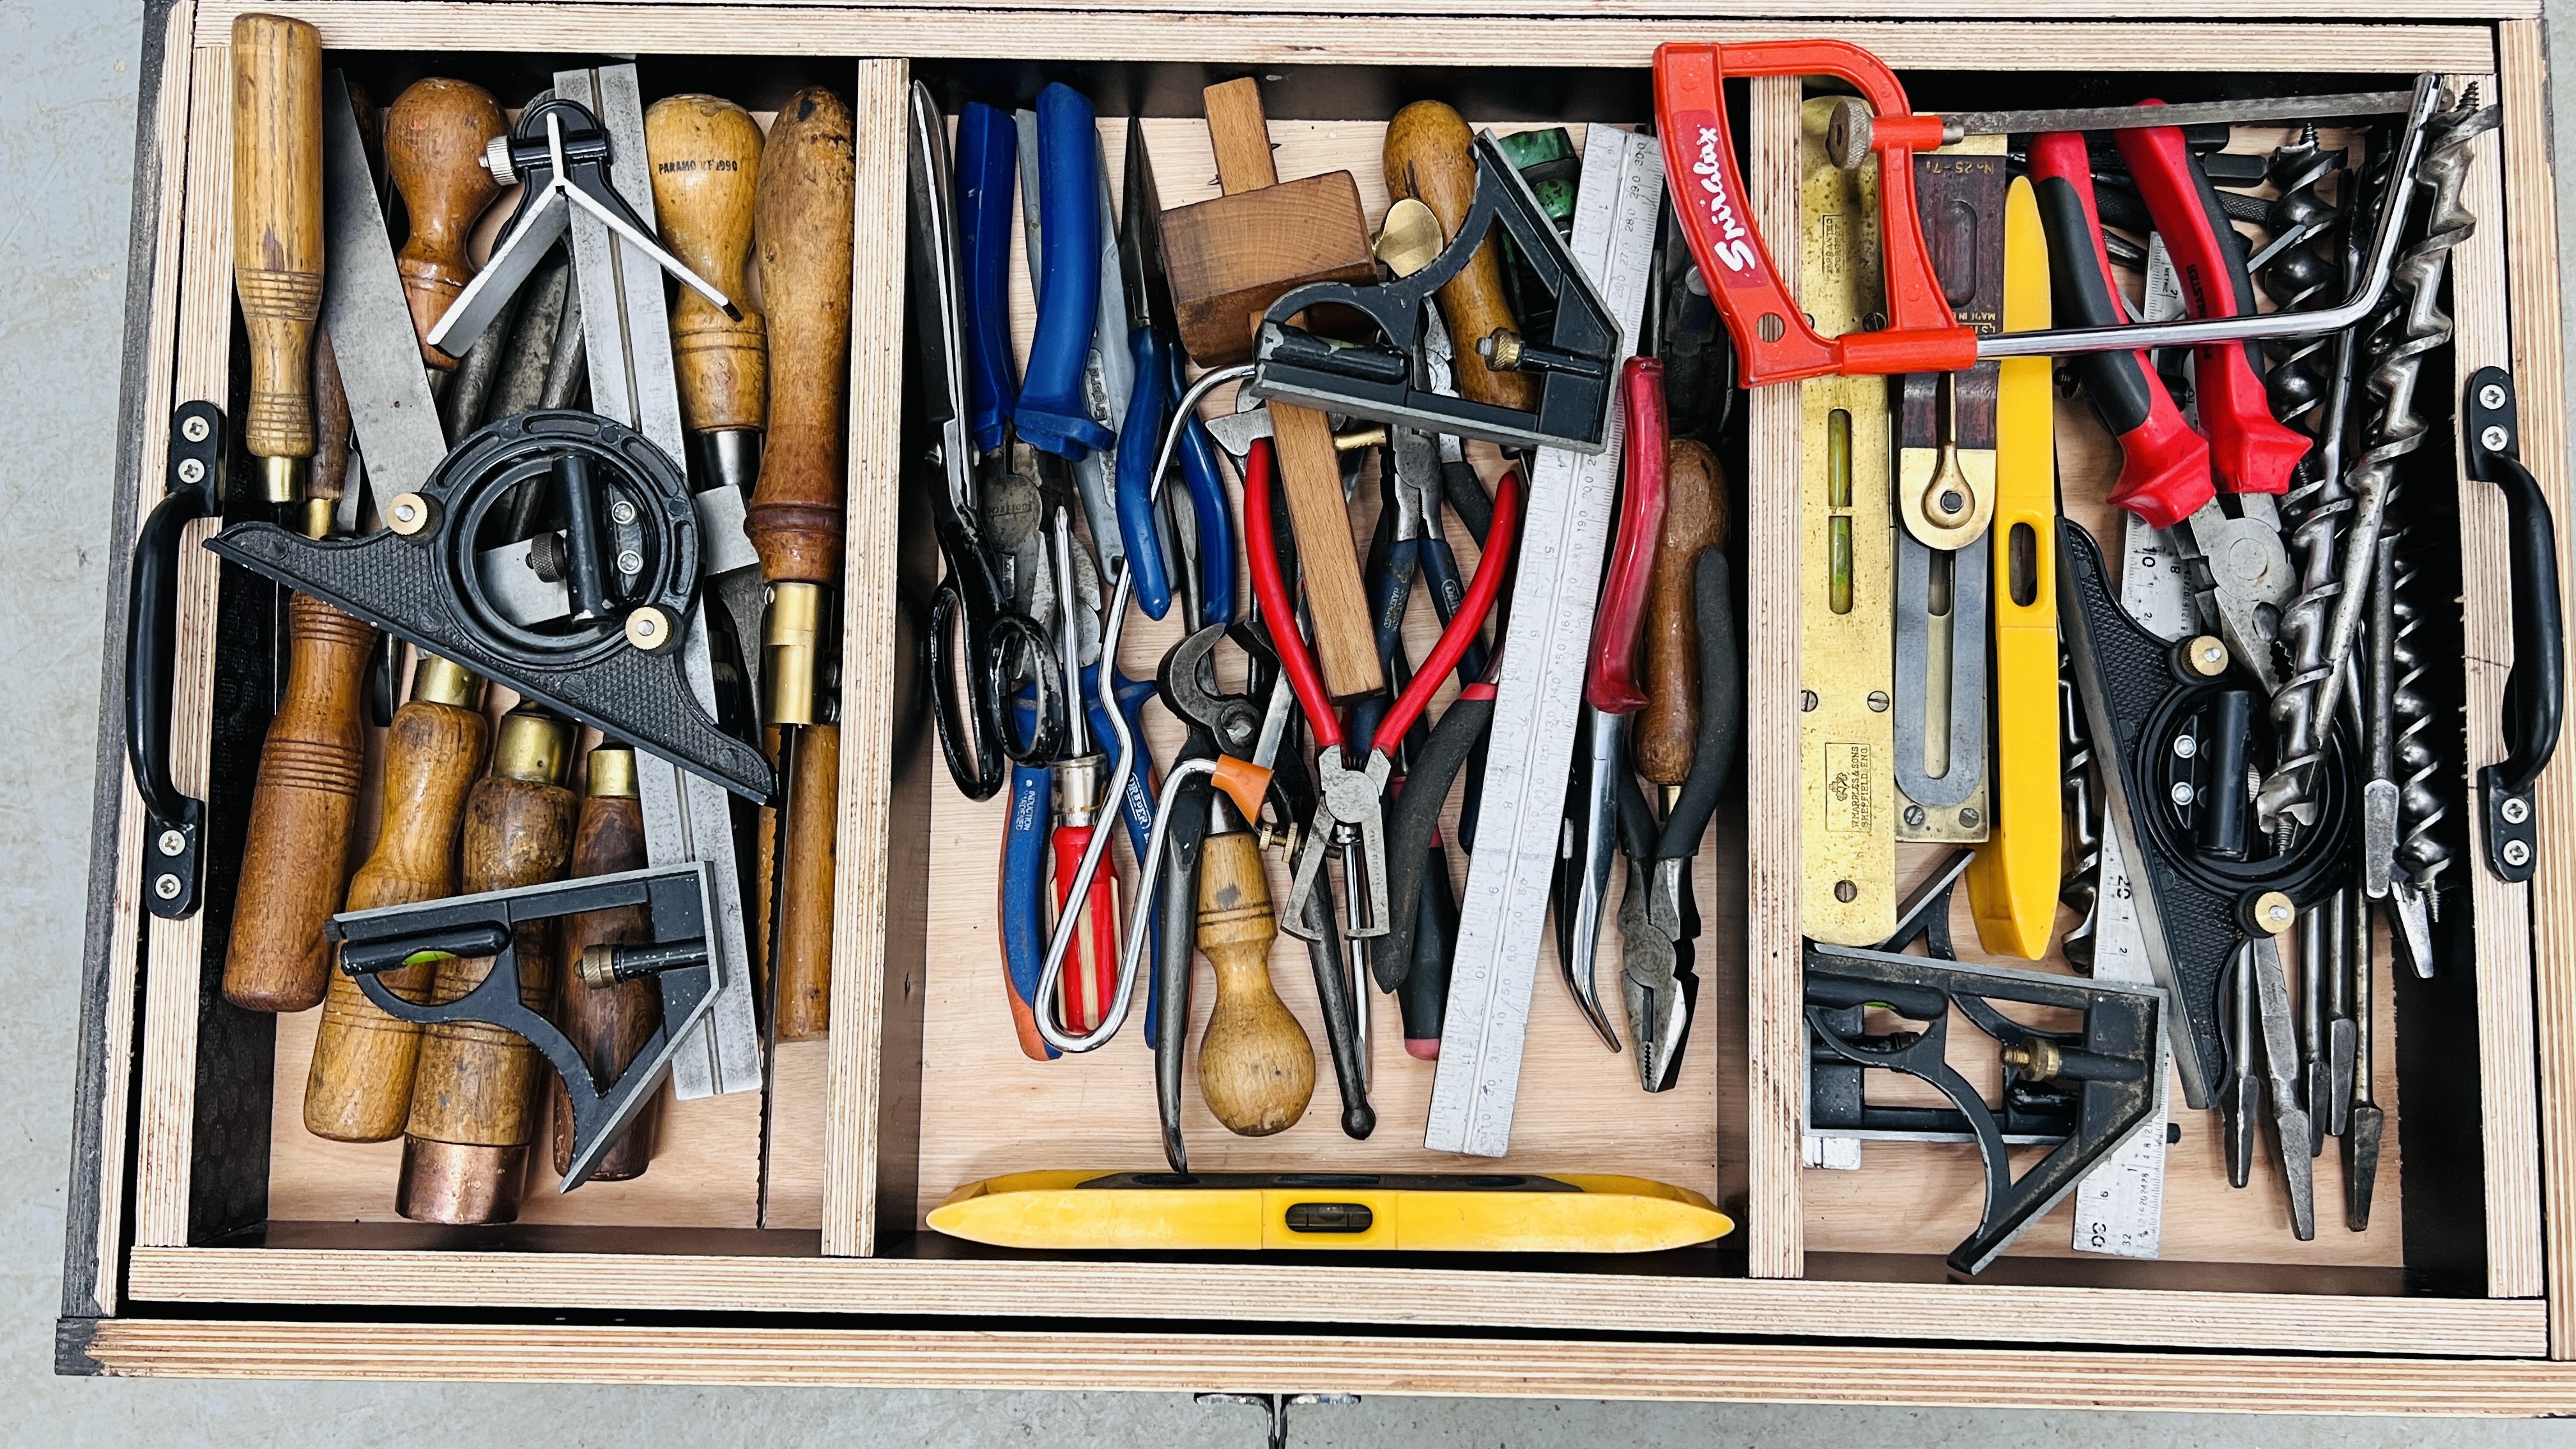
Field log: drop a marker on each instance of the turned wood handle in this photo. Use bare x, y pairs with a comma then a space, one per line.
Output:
476, 1085
804, 960
277, 223
332, 426
359, 1086
1327, 557
1256, 1065
1694, 521
607, 1024
807, 194
1241, 135
705, 152
295, 857
1428, 158
434, 139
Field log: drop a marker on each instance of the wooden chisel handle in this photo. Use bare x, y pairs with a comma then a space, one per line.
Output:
435, 135
1694, 520
1428, 158
332, 429
359, 1086
277, 232
295, 856
474, 1095
803, 959
706, 169
607, 1024
1256, 1065
806, 203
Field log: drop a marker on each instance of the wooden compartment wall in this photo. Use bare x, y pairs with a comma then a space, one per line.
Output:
189, 1254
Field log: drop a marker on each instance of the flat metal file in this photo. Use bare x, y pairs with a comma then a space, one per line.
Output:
626, 326
1503, 912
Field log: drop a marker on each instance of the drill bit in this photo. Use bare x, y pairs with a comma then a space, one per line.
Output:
2081, 888
2366, 1119
2302, 269
2412, 325
2422, 852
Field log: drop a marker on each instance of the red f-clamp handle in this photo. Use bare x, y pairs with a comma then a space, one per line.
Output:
1772, 338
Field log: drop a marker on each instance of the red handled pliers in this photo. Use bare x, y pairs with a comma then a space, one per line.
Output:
1349, 817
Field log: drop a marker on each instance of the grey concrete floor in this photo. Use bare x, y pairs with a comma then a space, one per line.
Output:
66, 146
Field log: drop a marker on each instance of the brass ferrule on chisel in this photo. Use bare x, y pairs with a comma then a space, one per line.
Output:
788, 645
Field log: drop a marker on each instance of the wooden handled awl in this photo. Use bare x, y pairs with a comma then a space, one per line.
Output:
1229, 259
359, 1086
805, 212
277, 234
1694, 521
435, 135
474, 1096
1428, 159
607, 1024
705, 152
1256, 1065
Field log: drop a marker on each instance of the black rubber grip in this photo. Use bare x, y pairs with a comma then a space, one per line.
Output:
1412, 820
1721, 708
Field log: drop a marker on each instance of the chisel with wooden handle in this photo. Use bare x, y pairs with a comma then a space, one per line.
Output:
607, 1024
435, 135
706, 173
1256, 1064
474, 1100
804, 213
1427, 159
277, 235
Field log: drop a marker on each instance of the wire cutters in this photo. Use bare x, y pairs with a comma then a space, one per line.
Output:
1348, 814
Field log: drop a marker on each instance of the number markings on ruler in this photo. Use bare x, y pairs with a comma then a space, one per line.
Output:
1503, 912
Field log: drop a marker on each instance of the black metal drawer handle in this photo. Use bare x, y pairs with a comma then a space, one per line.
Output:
2535, 691
173, 822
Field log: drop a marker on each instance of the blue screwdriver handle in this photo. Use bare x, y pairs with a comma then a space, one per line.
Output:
1024, 903
988, 169
1208, 503
1148, 408
1051, 414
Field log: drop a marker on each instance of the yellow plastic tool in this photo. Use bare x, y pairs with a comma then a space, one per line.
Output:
2012, 884
1409, 1212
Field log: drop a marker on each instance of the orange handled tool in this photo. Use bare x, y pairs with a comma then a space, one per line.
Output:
1091, 977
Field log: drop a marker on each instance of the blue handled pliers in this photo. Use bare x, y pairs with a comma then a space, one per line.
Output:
1153, 336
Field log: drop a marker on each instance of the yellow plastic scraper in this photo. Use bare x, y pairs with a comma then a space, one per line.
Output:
1412, 1212
2012, 884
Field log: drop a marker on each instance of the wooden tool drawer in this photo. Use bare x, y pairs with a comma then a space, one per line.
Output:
211, 1235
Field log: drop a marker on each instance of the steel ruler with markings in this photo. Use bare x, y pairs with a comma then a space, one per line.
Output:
1502, 914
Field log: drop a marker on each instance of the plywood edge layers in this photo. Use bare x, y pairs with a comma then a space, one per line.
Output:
1698, 10
1306, 1293
869, 635
2539, 367
173, 955
1768, 1373
112, 935
2507, 1085
1775, 1076
1335, 39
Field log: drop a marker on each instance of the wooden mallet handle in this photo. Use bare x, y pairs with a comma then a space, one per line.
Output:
435, 135
277, 231
705, 152
1429, 158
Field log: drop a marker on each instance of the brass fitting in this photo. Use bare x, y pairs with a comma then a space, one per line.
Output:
612, 773
282, 478
789, 639
533, 745
2038, 1061
440, 681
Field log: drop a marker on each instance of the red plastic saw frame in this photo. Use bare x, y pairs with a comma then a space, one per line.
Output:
1772, 337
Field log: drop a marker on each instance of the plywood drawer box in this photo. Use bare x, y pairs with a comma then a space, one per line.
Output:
210, 1235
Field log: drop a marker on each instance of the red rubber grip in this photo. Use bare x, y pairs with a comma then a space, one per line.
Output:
1091, 966
1611, 683
1482, 590
1279, 612
2164, 464
2254, 451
